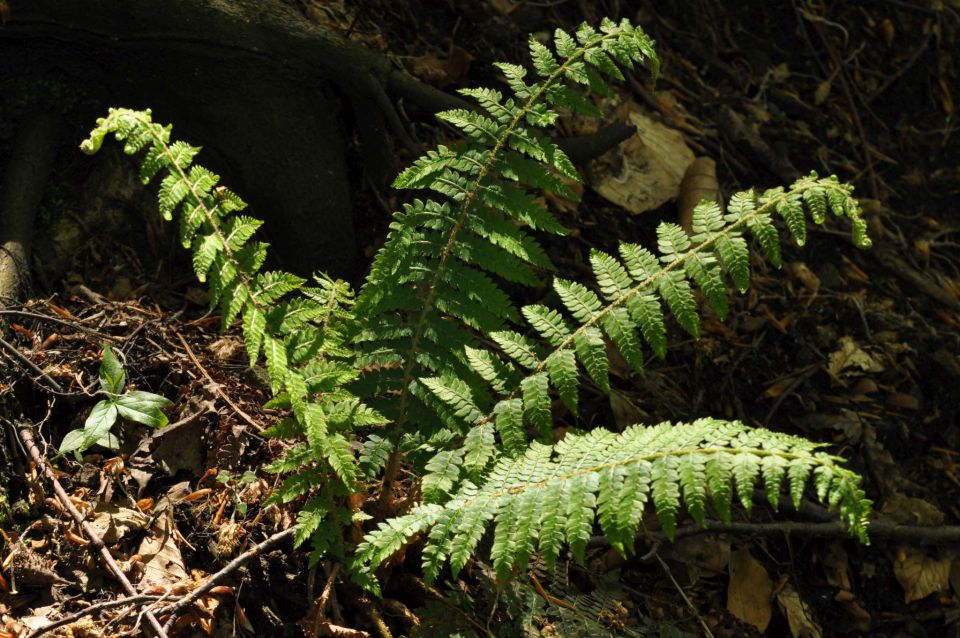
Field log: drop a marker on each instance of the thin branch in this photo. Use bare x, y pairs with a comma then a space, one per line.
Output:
92, 609
26, 435
216, 386
227, 570
22, 358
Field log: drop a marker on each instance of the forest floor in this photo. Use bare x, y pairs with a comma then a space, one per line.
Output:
859, 350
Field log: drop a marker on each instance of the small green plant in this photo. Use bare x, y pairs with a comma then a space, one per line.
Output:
433, 367
142, 407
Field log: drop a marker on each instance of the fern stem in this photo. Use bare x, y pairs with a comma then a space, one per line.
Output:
468, 199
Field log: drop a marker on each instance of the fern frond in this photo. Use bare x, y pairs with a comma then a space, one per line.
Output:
300, 328
446, 260
638, 286
607, 478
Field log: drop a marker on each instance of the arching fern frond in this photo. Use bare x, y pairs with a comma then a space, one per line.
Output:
552, 496
634, 292
299, 328
438, 277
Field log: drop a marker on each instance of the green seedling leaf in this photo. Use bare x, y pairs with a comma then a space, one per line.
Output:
143, 407
72, 442
96, 430
109, 441
112, 377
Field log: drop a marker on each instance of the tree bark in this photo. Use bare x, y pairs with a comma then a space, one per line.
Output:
28, 167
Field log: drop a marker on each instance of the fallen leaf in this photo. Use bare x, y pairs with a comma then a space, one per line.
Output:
904, 401
822, 93
836, 567
111, 523
920, 574
910, 510
625, 413
804, 275
162, 562
644, 172
798, 613
750, 590
703, 556
329, 629
955, 576
850, 355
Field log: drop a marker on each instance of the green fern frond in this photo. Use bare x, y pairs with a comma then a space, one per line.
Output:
636, 288
556, 495
446, 260
300, 329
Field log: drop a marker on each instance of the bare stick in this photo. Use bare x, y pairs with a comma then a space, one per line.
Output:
26, 435
22, 358
92, 609
216, 386
228, 569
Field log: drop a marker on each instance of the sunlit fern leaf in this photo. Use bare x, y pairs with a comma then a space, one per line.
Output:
296, 327
576, 467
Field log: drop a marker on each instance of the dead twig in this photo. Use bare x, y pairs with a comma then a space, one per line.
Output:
26, 435
216, 386
92, 609
22, 358
227, 570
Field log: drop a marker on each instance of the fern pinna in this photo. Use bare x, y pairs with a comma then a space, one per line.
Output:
437, 347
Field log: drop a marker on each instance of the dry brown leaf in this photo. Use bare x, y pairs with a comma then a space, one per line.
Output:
750, 590
644, 172
703, 556
4, 11
329, 629
955, 576
909, 510
111, 523
903, 401
699, 183
625, 413
822, 93
798, 613
836, 567
162, 562
920, 574
849, 358
802, 273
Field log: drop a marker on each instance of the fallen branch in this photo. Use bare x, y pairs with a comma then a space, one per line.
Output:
24, 360
228, 569
26, 435
910, 534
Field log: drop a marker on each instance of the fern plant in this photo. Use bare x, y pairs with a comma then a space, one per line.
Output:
435, 349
